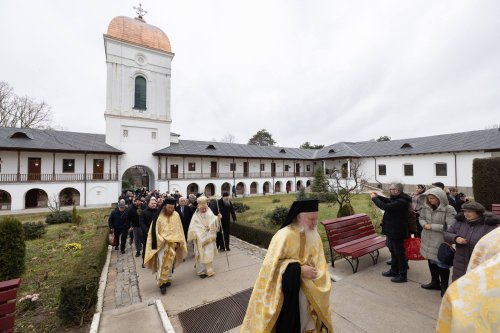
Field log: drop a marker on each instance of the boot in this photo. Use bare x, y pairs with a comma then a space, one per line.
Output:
444, 274
434, 284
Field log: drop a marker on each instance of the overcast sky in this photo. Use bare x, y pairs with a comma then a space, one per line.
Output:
317, 71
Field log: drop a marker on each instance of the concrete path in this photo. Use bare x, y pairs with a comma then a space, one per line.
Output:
361, 302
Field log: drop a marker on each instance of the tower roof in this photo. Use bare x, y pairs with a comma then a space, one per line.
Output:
137, 31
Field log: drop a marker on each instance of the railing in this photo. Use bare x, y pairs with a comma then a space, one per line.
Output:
58, 177
239, 175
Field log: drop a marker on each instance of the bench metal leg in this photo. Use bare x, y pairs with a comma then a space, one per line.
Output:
332, 258
351, 262
374, 259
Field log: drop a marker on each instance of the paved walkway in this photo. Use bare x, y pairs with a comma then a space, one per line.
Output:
361, 302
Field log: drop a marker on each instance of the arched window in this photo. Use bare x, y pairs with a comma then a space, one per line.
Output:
140, 93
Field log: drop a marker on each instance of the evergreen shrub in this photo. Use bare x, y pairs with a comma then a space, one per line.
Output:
486, 181
251, 233
276, 200
58, 217
345, 210
240, 207
301, 195
75, 217
12, 248
79, 290
324, 197
278, 215
34, 230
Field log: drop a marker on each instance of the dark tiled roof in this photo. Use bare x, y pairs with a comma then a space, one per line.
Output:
50, 140
222, 149
466, 141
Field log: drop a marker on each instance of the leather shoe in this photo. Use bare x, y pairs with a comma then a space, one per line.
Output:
399, 279
433, 285
389, 262
163, 289
138, 254
389, 273
203, 276
122, 251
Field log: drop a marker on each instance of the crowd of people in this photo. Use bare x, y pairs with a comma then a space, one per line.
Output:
292, 290
163, 226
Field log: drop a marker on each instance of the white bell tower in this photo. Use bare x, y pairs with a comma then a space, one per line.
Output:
138, 61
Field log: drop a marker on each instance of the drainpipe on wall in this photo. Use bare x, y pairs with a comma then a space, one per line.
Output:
456, 177
380, 184
85, 180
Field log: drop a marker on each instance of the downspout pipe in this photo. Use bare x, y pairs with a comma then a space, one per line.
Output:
456, 176
379, 183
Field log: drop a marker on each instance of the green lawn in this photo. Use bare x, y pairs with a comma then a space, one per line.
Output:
48, 264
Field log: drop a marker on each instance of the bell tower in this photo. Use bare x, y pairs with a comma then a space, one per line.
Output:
137, 114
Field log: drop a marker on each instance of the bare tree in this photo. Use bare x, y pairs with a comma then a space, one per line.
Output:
346, 187
228, 138
22, 111
53, 204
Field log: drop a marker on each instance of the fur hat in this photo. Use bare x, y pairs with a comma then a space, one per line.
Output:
475, 206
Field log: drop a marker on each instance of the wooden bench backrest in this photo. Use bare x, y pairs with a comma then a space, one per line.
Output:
495, 209
345, 229
8, 294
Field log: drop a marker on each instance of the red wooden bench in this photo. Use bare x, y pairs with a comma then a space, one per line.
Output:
495, 209
352, 237
8, 293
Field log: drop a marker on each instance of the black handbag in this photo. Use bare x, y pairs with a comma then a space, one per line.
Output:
446, 252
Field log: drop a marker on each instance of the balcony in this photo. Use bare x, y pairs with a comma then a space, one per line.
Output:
49, 177
230, 175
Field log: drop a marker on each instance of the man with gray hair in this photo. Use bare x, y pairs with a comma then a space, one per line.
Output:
395, 227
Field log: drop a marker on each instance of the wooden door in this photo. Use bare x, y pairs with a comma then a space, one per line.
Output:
245, 169
273, 169
34, 168
174, 171
297, 169
98, 169
213, 169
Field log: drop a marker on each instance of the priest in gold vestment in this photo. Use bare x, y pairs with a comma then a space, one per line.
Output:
292, 291
203, 232
165, 245
472, 303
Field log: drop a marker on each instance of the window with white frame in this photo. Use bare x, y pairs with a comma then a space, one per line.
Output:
68, 165
191, 166
382, 170
232, 167
408, 169
262, 167
441, 169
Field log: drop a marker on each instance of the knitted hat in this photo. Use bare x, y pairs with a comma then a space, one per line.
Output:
475, 206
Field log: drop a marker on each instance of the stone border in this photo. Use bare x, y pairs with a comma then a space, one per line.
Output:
94, 327
167, 325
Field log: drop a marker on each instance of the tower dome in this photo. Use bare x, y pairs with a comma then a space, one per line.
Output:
137, 31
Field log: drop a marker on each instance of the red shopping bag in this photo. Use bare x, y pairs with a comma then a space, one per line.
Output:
412, 248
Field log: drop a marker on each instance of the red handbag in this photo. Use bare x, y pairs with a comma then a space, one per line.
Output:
412, 248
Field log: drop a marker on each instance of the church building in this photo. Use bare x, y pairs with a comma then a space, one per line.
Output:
38, 167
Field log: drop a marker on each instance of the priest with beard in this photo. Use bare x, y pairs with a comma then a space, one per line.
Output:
203, 232
166, 244
292, 291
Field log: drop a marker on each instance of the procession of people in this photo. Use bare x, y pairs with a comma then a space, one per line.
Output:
292, 290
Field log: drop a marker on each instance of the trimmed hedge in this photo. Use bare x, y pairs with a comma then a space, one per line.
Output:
12, 248
79, 290
58, 217
34, 230
486, 181
240, 207
254, 234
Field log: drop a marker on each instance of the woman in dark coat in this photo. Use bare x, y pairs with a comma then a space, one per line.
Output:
468, 229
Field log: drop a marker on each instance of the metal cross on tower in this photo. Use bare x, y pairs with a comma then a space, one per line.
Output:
140, 12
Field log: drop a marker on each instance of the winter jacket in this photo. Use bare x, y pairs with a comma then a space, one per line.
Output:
133, 216
118, 220
395, 220
146, 218
444, 213
472, 231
